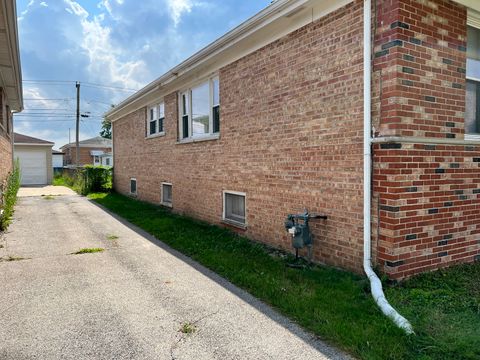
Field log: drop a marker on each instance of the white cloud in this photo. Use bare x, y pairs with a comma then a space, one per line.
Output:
177, 8
105, 61
76, 9
44, 4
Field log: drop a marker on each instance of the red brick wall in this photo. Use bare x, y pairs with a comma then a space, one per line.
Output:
426, 196
291, 138
85, 157
420, 60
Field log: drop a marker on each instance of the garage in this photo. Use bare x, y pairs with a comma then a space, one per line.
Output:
35, 159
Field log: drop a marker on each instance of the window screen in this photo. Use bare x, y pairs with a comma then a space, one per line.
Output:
167, 194
235, 207
133, 186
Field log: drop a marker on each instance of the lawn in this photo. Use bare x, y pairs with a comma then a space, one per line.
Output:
444, 307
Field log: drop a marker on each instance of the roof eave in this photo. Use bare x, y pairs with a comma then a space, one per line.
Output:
10, 14
264, 17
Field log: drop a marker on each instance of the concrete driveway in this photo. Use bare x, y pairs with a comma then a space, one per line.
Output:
136, 300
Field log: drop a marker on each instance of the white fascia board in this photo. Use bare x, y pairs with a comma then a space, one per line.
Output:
32, 144
251, 35
472, 4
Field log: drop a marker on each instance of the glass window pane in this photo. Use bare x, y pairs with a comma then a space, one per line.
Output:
184, 104
185, 126
473, 43
133, 186
216, 92
160, 125
153, 113
167, 194
200, 109
161, 110
216, 119
471, 108
473, 68
153, 127
235, 208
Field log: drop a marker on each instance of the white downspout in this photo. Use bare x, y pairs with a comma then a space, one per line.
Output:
375, 283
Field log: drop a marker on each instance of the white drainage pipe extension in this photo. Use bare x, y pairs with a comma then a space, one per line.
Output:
375, 283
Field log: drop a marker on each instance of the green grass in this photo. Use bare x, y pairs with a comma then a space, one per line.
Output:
112, 237
13, 258
444, 307
48, 197
187, 328
88, 251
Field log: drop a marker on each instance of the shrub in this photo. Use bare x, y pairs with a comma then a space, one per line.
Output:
8, 197
87, 179
95, 179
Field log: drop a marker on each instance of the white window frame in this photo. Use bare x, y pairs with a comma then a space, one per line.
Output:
188, 94
229, 221
155, 107
130, 187
473, 20
161, 194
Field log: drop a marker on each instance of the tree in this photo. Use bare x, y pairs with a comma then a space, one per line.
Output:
106, 131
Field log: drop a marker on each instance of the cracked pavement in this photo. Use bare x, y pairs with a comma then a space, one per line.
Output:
128, 302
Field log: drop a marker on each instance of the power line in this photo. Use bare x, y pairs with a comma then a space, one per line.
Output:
49, 99
86, 83
108, 87
49, 81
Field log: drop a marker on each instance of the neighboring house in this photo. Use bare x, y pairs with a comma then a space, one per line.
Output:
35, 159
11, 99
57, 160
106, 159
90, 151
270, 119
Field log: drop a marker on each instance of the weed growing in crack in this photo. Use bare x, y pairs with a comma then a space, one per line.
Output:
87, 251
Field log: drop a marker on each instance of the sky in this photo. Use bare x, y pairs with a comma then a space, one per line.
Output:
112, 47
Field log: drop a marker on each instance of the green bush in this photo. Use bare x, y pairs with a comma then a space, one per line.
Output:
87, 180
8, 197
95, 179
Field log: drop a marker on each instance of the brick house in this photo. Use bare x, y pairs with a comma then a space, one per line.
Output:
11, 99
90, 153
285, 112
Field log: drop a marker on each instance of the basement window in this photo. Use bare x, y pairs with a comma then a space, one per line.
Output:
234, 208
156, 119
167, 194
133, 186
472, 98
199, 109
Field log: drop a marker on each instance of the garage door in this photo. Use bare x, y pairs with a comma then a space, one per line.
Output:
33, 167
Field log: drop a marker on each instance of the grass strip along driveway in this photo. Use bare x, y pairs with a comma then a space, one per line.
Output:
444, 307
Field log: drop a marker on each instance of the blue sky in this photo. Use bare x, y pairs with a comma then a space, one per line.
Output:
110, 46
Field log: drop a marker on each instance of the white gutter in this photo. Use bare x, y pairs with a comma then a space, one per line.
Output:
275, 9
375, 283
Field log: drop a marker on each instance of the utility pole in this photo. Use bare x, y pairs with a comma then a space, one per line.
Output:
69, 139
77, 160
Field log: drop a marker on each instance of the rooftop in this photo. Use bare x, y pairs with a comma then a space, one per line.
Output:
96, 141
25, 139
